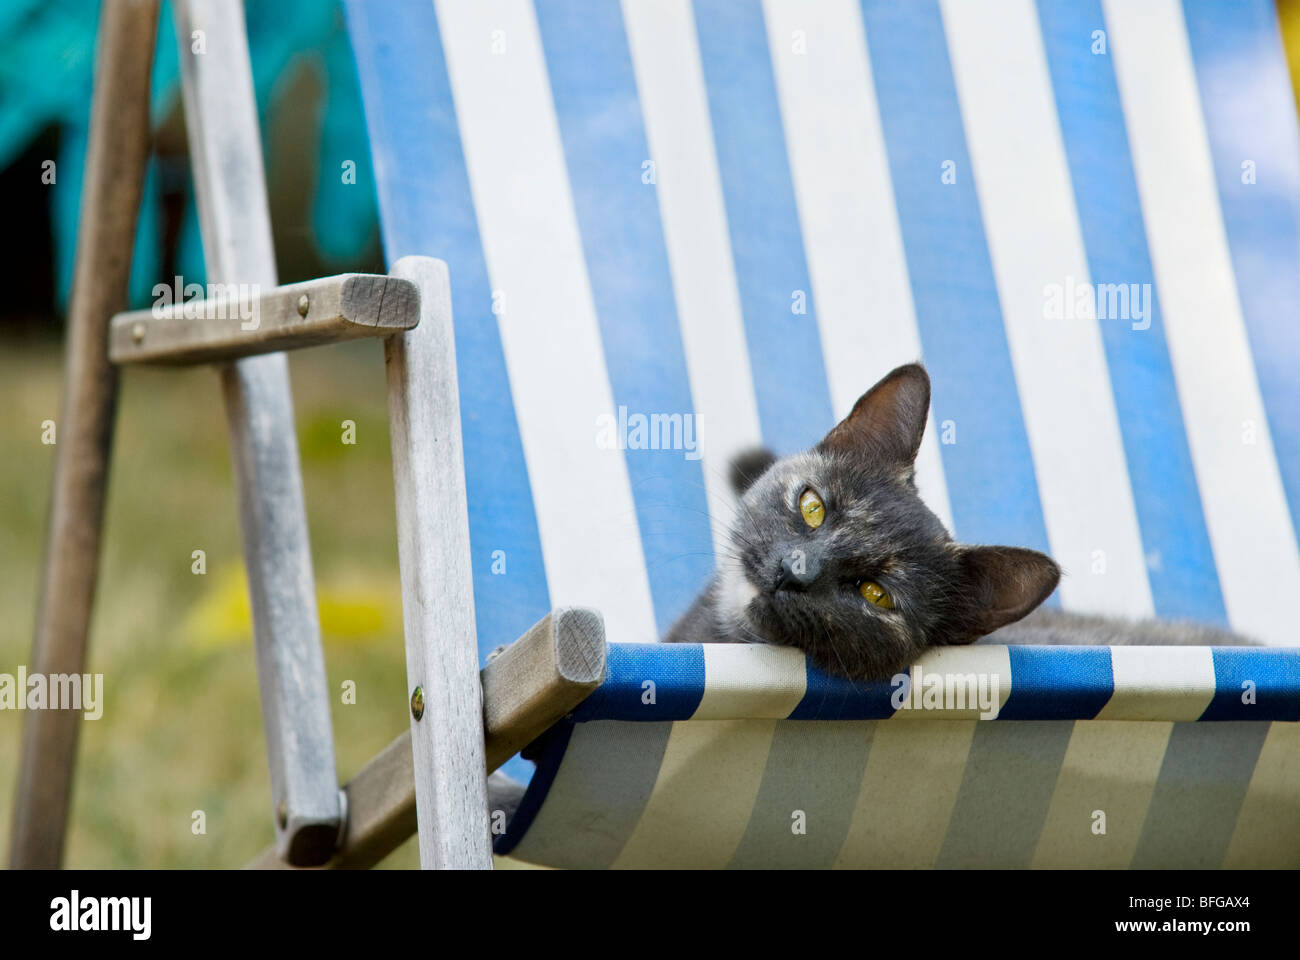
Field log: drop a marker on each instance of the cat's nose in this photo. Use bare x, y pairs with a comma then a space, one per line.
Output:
798, 571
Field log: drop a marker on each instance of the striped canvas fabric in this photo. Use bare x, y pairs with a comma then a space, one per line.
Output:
678, 229
702, 756
741, 214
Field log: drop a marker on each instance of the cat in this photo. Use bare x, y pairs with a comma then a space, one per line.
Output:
832, 551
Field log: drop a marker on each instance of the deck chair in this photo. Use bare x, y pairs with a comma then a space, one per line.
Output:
730, 218
720, 222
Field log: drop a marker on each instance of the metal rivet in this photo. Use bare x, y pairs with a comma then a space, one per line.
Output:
137, 333
417, 703
282, 814
303, 305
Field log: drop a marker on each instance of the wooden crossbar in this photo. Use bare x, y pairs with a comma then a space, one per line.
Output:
241, 321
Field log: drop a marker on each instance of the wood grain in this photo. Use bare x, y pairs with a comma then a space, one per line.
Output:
114, 176
437, 585
245, 323
226, 153
539, 679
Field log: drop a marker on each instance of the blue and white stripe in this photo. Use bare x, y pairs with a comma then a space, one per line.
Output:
798, 239
739, 681
697, 755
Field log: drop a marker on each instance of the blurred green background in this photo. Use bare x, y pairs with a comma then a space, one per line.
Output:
181, 730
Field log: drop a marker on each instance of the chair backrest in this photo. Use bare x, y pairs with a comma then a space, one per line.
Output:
714, 224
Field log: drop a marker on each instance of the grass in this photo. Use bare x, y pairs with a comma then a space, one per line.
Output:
181, 729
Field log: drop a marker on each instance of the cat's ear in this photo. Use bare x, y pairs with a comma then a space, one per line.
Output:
887, 421
748, 466
1002, 584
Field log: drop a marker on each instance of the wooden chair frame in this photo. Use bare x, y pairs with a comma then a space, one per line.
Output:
463, 725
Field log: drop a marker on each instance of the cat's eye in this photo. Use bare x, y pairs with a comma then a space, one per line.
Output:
875, 594
812, 508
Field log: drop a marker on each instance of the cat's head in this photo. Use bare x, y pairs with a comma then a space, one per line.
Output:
834, 553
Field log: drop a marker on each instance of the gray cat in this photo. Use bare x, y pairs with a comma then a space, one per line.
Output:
833, 552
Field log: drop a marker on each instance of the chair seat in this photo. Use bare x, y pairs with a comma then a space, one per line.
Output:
987, 756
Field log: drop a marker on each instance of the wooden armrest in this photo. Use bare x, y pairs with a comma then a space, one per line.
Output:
241, 320
533, 683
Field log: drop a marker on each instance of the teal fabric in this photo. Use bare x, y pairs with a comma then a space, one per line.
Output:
46, 76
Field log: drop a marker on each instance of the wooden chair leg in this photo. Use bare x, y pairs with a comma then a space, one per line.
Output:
226, 153
114, 180
536, 681
437, 587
